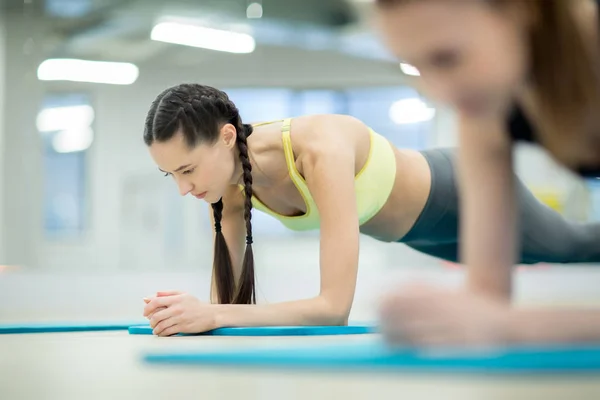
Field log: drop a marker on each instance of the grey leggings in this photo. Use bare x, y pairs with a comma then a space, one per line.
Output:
545, 235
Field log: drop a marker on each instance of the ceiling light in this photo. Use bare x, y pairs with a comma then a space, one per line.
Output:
409, 69
62, 69
207, 38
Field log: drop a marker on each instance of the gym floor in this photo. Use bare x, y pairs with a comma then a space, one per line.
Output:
108, 365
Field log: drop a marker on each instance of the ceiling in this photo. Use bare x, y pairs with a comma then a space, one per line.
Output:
119, 30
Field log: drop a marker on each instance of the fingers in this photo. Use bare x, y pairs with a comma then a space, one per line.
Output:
166, 327
173, 330
163, 294
149, 316
168, 293
160, 315
158, 302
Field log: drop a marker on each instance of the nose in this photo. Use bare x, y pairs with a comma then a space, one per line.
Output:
184, 187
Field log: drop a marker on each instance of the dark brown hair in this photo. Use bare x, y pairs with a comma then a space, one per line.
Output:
199, 112
565, 75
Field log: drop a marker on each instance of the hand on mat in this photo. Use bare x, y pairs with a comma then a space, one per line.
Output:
426, 316
160, 294
180, 313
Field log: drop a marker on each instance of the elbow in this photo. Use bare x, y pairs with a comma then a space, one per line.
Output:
335, 313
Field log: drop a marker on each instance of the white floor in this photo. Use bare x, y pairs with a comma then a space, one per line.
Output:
106, 365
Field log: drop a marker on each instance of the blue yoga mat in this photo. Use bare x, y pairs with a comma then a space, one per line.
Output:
376, 356
271, 330
48, 327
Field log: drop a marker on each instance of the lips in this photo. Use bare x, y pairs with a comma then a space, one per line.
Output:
200, 196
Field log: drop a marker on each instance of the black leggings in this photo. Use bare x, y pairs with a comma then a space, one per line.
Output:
546, 236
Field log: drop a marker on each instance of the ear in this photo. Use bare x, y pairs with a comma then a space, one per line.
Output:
228, 135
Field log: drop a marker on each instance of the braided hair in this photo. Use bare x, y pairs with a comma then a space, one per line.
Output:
199, 112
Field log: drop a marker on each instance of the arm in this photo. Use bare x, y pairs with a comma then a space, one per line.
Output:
487, 210
554, 326
234, 231
329, 167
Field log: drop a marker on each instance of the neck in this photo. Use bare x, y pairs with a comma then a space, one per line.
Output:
258, 177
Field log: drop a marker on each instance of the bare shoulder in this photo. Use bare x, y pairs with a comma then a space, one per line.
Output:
327, 132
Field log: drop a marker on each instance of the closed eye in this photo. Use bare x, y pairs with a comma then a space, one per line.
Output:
189, 171
186, 172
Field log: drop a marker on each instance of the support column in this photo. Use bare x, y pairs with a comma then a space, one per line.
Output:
3, 80
21, 189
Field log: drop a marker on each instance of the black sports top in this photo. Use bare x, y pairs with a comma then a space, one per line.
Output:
520, 129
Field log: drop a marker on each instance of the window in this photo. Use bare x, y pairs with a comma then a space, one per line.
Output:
65, 123
258, 105
398, 113
308, 102
594, 188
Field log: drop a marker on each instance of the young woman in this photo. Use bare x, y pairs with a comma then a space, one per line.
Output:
513, 71
326, 171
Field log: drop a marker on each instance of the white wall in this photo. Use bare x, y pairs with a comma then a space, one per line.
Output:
3, 58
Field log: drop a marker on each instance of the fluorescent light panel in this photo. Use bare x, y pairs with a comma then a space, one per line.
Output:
202, 37
409, 69
74, 140
67, 69
410, 111
65, 118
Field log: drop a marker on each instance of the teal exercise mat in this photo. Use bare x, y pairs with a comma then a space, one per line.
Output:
53, 327
355, 329
376, 356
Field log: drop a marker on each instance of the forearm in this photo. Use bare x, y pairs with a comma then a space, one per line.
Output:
555, 326
314, 311
489, 257
488, 218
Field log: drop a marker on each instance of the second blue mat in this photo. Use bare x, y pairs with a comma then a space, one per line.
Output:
376, 356
53, 327
272, 331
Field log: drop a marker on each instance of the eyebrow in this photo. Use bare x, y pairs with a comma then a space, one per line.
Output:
178, 169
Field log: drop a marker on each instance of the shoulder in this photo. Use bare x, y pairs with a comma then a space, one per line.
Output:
327, 125
324, 133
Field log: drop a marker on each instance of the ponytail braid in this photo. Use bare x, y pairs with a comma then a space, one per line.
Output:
222, 265
246, 293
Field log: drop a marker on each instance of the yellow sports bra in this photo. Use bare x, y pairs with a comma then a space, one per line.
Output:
373, 184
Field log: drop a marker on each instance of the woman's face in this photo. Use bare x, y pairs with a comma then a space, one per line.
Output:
470, 54
204, 171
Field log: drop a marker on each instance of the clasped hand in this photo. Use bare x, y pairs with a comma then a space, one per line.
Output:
176, 312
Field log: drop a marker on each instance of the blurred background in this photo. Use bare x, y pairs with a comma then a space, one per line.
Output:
89, 226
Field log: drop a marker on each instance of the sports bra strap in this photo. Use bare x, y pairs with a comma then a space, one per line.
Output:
267, 122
